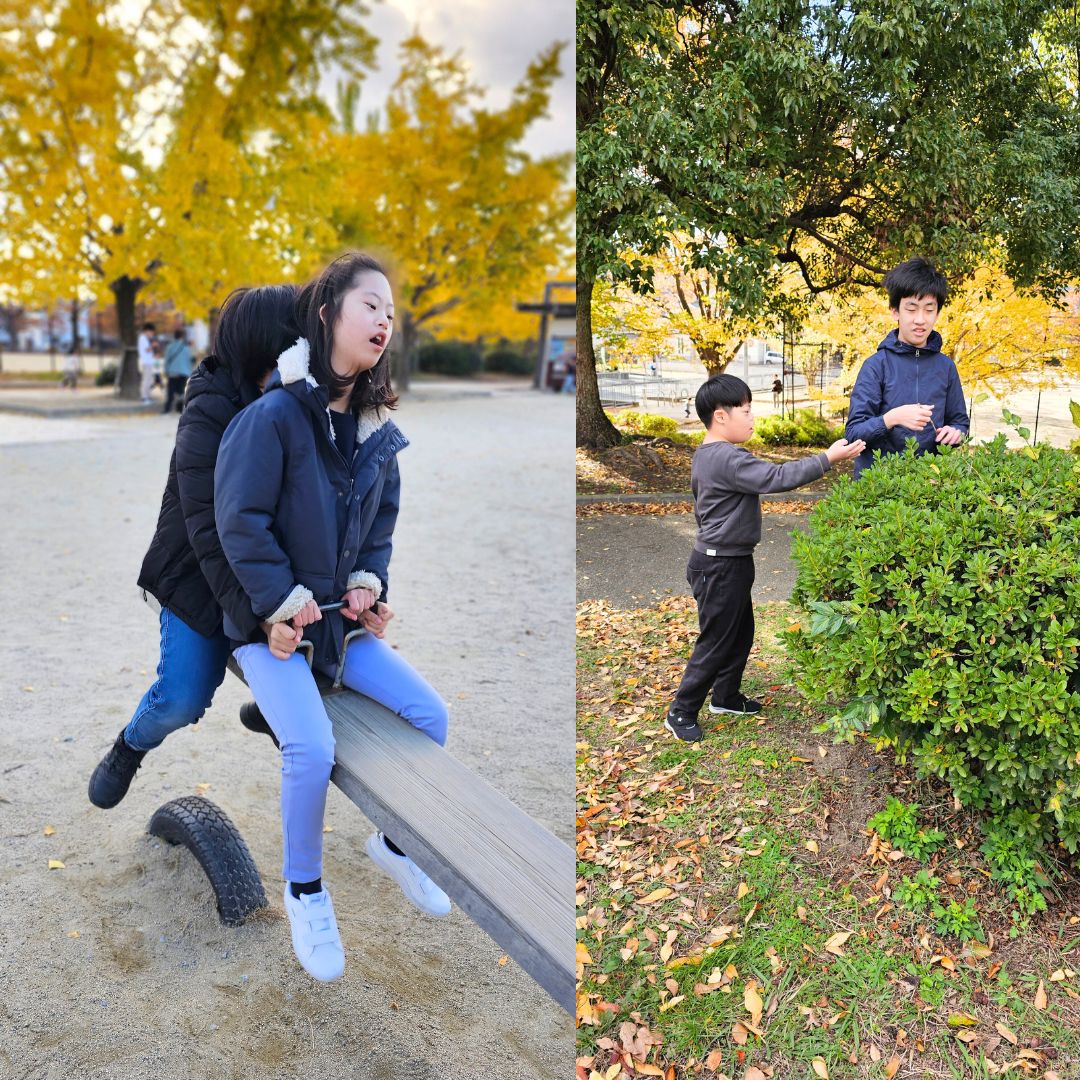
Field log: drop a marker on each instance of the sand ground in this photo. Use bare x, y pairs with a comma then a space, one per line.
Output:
117, 965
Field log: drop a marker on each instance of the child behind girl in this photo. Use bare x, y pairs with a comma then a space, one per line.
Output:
306, 500
185, 569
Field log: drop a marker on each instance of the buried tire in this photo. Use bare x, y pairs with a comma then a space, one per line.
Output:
206, 831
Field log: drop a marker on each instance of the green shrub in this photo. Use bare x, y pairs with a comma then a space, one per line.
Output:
899, 824
944, 619
807, 429
510, 361
450, 358
106, 376
917, 893
639, 423
1013, 863
958, 920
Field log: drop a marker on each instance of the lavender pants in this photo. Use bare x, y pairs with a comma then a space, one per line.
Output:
286, 693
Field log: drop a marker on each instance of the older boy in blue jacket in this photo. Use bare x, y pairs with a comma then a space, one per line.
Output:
909, 388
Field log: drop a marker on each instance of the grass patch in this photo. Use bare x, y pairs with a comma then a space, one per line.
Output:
734, 911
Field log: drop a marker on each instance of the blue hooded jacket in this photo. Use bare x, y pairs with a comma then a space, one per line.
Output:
296, 520
901, 374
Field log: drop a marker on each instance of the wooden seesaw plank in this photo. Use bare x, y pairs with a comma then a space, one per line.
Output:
509, 874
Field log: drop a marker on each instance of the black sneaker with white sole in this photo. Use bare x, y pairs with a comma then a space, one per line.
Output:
683, 727
740, 706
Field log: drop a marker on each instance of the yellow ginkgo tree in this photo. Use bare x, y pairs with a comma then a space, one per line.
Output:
171, 148
469, 220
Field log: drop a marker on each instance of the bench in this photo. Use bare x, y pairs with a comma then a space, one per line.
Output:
508, 873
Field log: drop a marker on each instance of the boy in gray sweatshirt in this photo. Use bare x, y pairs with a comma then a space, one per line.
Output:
727, 482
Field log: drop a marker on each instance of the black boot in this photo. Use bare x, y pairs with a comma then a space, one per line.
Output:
252, 718
114, 774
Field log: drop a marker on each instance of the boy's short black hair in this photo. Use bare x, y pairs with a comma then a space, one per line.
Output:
149, 326
917, 277
178, 334
720, 392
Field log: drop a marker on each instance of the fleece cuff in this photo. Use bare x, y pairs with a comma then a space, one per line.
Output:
365, 579
291, 605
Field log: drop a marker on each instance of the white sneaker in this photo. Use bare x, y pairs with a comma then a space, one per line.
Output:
418, 888
315, 937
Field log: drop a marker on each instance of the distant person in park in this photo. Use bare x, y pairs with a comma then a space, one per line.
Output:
777, 391
909, 388
178, 361
322, 431
185, 569
72, 365
727, 482
686, 408
569, 385
147, 362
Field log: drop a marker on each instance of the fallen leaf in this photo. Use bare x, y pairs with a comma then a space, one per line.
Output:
742, 890
812, 845
1005, 1033
671, 1003
754, 1073
1057, 976
963, 1020
820, 1068
835, 944
326, 828
56, 864
202, 787
503, 960
49, 831
892, 1066
583, 956
713, 1060
656, 895
72, 934
753, 1004
739, 1034
1040, 1001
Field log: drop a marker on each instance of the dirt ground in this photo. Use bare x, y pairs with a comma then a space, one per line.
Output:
116, 965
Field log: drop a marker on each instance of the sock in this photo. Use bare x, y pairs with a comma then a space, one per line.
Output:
298, 888
391, 845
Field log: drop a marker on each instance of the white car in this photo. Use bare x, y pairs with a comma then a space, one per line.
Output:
773, 357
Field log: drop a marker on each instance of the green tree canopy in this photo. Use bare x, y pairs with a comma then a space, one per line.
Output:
831, 138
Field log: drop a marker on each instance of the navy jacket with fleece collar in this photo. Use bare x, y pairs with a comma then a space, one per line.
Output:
296, 520
900, 374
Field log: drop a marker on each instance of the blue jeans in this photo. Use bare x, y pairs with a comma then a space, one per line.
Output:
191, 668
287, 696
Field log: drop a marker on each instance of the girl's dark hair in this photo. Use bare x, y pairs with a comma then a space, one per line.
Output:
720, 392
326, 292
917, 277
255, 327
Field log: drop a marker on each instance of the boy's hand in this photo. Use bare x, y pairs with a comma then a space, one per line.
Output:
949, 436
282, 639
842, 450
913, 417
374, 620
307, 615
357, 601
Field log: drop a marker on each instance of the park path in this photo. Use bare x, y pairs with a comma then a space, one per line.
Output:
116, 966
635, 560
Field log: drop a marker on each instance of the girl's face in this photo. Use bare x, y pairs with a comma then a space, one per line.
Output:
364, 325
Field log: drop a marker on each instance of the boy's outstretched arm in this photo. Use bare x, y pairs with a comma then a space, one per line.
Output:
957, 422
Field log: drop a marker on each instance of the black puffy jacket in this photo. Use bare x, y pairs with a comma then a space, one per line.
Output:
185, 568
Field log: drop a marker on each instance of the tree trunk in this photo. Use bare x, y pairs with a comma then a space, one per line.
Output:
125, 290
402, 360
594, 430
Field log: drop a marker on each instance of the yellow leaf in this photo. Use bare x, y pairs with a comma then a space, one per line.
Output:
742, 890
835, 944
48, 830
72, 934
963, 1020
1040, 996
892, 1066
1005, 1033
648, 1070
812, 845
202, 787
503, 960
980, 951
326, 828
1058, 976
753, 1004
56, 864
820, 1068
670, 1004
583, 956
657, 894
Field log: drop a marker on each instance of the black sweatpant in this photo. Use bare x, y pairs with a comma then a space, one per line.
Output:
177, 386
721, 586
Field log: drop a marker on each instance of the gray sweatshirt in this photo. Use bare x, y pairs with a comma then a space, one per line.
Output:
727, 480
